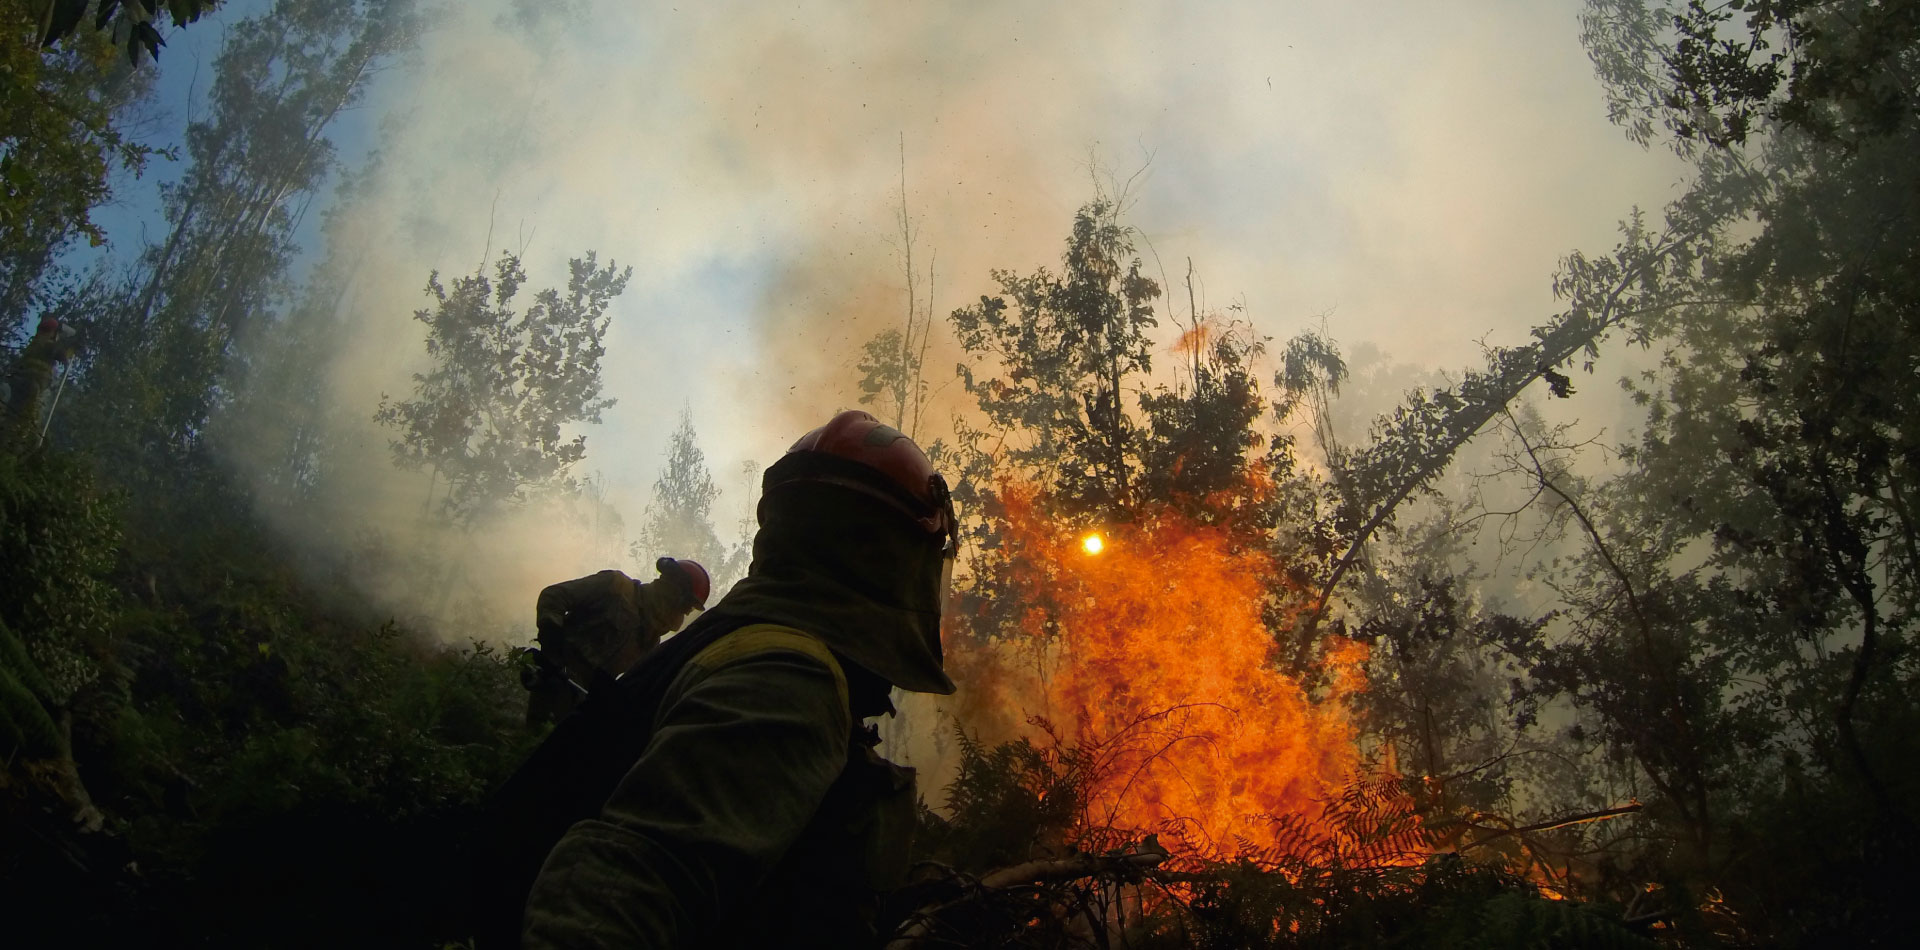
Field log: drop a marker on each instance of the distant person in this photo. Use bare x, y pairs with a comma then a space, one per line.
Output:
595, 628
32, 372
727, 793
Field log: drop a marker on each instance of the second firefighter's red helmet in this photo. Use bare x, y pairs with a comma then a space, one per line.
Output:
858, 437
688, 576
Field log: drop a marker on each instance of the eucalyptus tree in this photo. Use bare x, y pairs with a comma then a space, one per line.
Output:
679, 523
63, 137
1057, 358
488, 417
162, 355
132, 24
1735, 629
893, 363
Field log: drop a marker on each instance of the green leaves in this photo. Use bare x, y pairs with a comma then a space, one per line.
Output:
132, 21
1070, 347
679, 523
1413, 446
488, 417
1718, 74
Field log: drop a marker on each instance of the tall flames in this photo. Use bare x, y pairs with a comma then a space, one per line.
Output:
1145, 642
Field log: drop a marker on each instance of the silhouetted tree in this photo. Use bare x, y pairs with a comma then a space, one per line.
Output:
892, 364
62, 132
161, 357
679, 522
1058, 359
487, 419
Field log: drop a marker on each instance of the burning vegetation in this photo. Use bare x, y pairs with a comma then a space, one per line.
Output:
1148, 645
1227, 679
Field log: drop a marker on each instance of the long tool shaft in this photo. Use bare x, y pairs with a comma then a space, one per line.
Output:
54, 404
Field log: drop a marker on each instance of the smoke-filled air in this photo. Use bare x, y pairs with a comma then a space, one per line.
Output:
602, 473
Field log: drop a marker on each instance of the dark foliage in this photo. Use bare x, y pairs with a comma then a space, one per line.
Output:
1062, 353
131, 22
1015, 864
486, 419
269, 767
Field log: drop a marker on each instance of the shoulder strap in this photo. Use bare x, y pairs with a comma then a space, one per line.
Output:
760, 638
570, 775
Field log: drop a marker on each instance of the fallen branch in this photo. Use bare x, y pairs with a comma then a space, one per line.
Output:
1581, 819
1067, 869
920, 924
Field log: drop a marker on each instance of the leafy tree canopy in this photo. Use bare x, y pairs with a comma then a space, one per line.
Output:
488, 417
132, 24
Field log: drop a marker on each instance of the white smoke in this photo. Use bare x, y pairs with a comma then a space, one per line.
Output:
1415, 167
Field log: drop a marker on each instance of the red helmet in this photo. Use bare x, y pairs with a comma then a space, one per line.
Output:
858, 437
857, 545
689, 576
48, 325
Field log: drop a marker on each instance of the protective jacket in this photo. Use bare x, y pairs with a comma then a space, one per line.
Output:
32, 372
592, 619
724, 793
758, 814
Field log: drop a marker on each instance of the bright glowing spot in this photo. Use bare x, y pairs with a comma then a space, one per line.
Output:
1092, 543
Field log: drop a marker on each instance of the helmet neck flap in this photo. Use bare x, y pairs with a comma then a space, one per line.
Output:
846, 555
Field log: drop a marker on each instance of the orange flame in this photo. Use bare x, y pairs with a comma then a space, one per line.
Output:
1156, 653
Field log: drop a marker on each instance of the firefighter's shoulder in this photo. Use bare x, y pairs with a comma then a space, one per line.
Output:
762, 639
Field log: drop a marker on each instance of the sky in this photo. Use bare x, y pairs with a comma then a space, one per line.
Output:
1407, 172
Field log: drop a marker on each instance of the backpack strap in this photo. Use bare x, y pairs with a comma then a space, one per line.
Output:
570, 775
755, 639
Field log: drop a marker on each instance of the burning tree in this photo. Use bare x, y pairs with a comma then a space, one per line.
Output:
1117, 625
1177, 609
1164, 749
1070, 345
